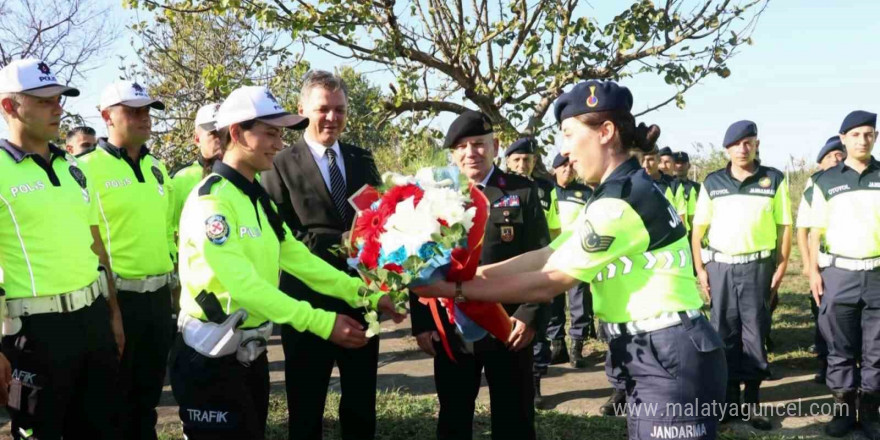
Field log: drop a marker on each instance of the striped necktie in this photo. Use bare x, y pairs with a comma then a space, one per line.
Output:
337, 188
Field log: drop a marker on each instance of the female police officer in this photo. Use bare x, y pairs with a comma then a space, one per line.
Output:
631, 246
232, 245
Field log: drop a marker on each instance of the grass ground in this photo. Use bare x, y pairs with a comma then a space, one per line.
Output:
403, 416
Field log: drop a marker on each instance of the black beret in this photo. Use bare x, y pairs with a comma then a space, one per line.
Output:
592, 96
738, 131
665, 151
681, 157
559, 160
858, 118
525, 146
832, 144
470, 123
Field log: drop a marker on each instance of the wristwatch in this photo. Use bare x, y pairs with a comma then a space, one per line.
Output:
459, 294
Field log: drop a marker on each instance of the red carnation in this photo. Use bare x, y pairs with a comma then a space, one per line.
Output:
393, 267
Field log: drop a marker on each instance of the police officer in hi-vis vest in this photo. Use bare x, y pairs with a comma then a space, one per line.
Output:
133, 196
61, 306
233, 243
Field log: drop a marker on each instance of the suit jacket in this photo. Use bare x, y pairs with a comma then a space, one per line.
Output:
510, 231
304, 202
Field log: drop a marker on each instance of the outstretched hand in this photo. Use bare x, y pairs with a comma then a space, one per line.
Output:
439, 289
386, 306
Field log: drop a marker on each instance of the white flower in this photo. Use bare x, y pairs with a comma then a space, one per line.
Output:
448, 205
373, 327
395, 179
409, 226
439, 177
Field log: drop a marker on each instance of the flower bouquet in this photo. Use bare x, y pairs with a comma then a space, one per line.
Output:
422, 229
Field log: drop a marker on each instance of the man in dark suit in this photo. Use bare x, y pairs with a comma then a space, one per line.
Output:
311, 183
516, 226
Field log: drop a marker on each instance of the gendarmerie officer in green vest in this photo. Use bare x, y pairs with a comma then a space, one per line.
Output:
832, 153
666, 162
746, 209
689, 188
631, 246
61, 307
521, 158
134, 199
233, 243
569, 198
664, 182
846, 281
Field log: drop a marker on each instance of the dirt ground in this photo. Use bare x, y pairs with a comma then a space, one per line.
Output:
404, 368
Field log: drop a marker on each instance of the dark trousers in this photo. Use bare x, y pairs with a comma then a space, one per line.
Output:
308, 364
614, 373
741, 315
511, 391
849, 317
68, 367
219, 398
142, 370
672, 377
580, 306
818, 340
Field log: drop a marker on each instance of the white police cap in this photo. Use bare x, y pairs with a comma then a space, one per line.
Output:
256, 102
206, 116
32, 77
129, 94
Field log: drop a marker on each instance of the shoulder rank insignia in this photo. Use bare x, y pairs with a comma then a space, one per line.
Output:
593, 242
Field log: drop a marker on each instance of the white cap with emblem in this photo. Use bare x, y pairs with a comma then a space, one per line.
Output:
32, 77
129, 94
256, 102
206, 116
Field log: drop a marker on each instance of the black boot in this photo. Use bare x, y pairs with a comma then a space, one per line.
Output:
615, 405
869, 417
752, 402
558, 353
576, 354
539, 399
844, 412
820, 372
732, 401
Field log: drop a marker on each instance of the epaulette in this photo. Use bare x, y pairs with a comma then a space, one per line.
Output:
205, 189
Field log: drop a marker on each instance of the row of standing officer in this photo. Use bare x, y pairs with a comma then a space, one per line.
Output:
87, 347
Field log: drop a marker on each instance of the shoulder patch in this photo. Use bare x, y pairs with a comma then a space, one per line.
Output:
205, 189
593, 242
217, 229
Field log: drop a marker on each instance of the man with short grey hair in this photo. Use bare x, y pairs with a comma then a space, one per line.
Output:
311, 182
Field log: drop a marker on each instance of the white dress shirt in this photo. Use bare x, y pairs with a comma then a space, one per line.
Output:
318, 152
486, 179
